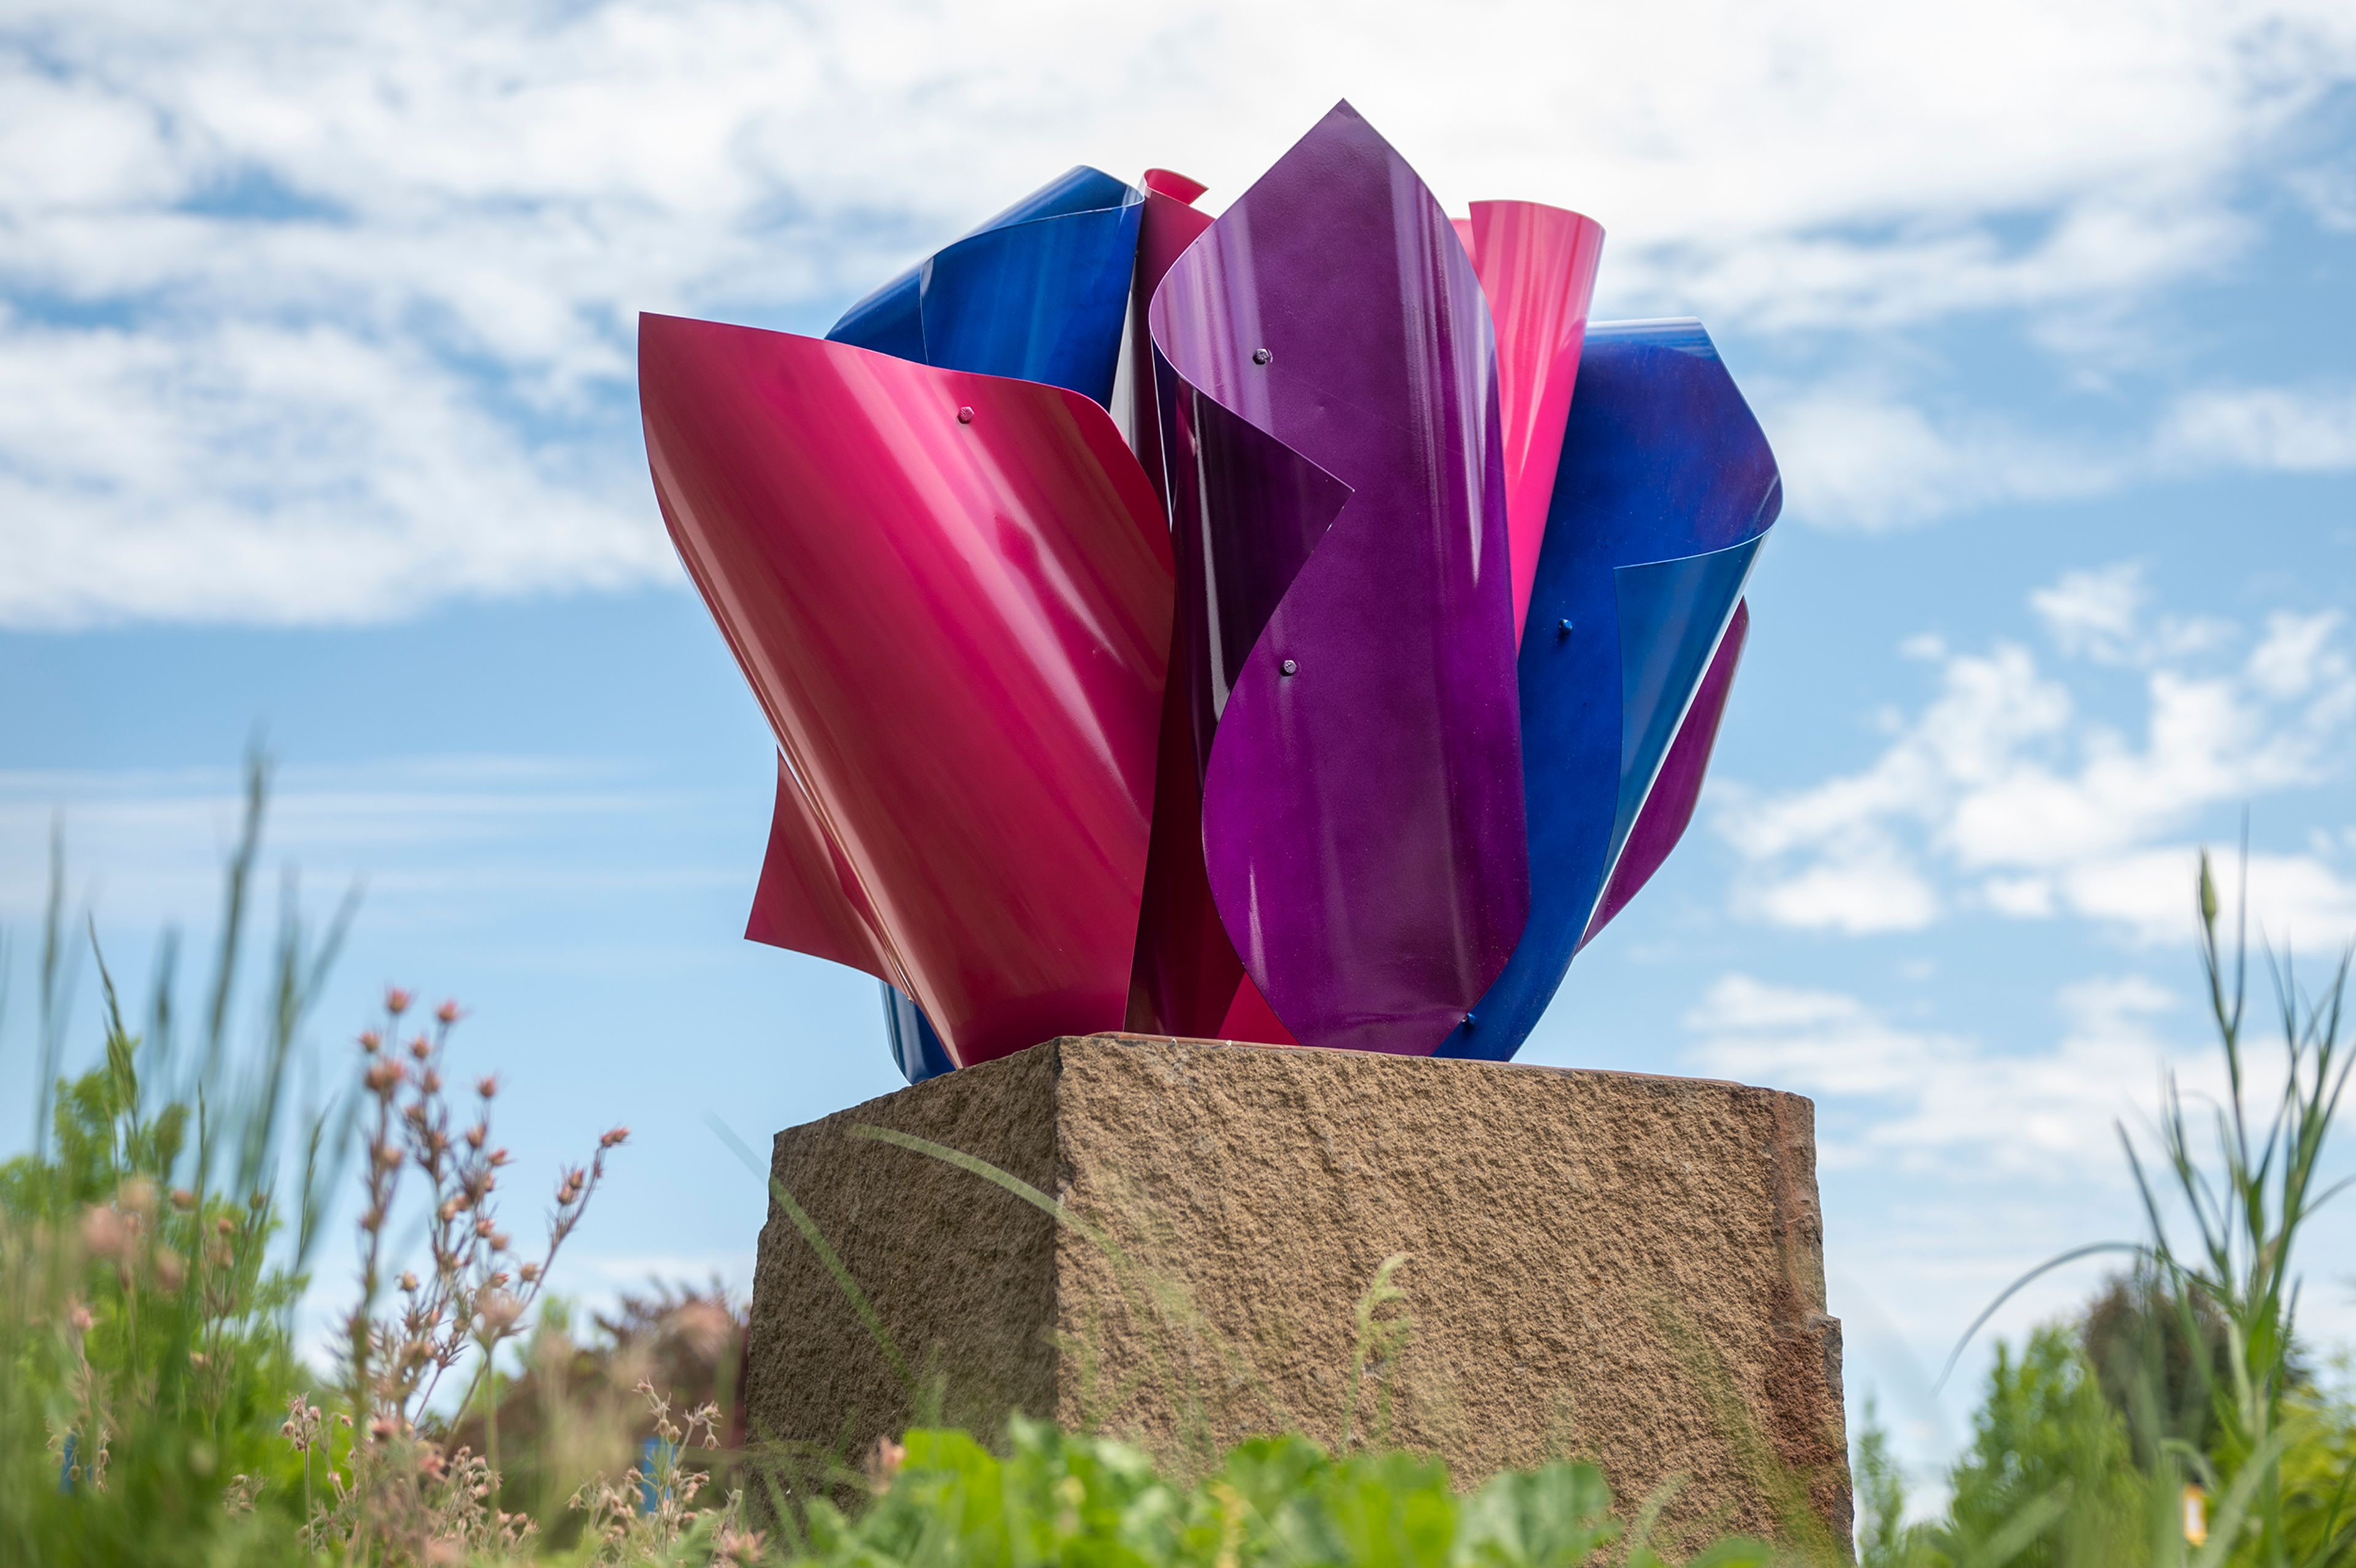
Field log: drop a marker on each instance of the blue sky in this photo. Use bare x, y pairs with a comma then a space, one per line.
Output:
316, 418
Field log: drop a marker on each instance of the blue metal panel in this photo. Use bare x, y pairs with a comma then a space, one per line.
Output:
1661, 461
1040, 291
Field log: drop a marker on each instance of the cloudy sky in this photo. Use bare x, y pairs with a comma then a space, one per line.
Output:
316, 418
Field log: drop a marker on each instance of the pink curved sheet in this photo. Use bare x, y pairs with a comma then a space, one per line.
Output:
808, 899
951, 593
1536, 266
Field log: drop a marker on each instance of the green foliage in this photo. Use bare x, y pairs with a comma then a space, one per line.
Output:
1059, 1497
2046, 1444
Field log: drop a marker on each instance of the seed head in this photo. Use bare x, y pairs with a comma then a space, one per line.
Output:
396, 1000
446, 1014
612, 1139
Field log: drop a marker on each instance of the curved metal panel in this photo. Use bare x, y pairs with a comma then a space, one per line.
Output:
1329, 424
1669, 808
1536, 266
916, 1048
1038, 291
979, 559
1661, 461
1186, 971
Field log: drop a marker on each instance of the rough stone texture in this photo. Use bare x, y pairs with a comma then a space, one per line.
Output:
1624, 1267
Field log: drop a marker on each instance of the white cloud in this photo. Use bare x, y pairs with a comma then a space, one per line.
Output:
1859, 459
1919, 1100
449, 215
2003, 792
2305, 431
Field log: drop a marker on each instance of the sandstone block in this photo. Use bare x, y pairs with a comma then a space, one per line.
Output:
1609, 1265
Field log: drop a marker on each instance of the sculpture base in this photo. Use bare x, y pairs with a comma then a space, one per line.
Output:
1598, 1264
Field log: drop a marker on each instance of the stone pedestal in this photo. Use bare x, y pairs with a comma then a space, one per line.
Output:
1598, 1264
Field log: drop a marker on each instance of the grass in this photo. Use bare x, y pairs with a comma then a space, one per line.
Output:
154, 1411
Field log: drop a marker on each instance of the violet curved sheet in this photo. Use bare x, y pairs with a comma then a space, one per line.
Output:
1665, 487
999, 586
1326, 376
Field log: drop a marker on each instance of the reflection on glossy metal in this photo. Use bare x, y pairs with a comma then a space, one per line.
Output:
1537, 269
1665, 488
1042, 768
1037, 292
993, 832
1363, 832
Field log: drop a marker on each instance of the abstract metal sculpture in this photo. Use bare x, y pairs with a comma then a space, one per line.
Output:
1338, 704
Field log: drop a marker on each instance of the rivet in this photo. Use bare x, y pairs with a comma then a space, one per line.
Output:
1468, 1020
1562, 628
1261, 356
965, 416
1289, 667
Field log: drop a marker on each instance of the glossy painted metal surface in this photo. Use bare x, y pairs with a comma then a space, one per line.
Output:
1186, 973
1039, 292
1536, 266
998, 585
1669, 809
915, 1045
1664, 488
1327, 376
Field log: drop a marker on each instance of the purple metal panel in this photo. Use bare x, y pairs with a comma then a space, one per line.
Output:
1330, 415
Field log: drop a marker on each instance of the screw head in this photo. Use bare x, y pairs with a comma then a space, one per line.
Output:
1261, 356
1289, 667
1562, 628
1468, 1020
965, 416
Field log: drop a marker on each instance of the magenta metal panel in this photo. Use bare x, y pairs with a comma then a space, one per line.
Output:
951, 593
1327, 380
1536, 266
808, 899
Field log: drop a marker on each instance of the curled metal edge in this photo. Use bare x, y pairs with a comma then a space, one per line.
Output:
767, 448
1038, 291
1338, 506
1662, 460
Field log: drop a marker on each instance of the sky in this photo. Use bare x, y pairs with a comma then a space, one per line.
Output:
317, 424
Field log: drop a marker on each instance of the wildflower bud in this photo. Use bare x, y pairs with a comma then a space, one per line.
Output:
498, 1240
388, 1156
430, 1082
384, 1077
79, 1316
183, 1199
616, 1136
483, 1226
225, 1225
372, 1221
530, 1273
138, 1196
396, 1000
499, 1276
449, 1210
2208, 892
497, 1310
409, 1280
371, 1041
488, 1086
476, 1135
421, 1047
103, 1232
381, 1427
446, 1014
199, 1359
499, 1157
